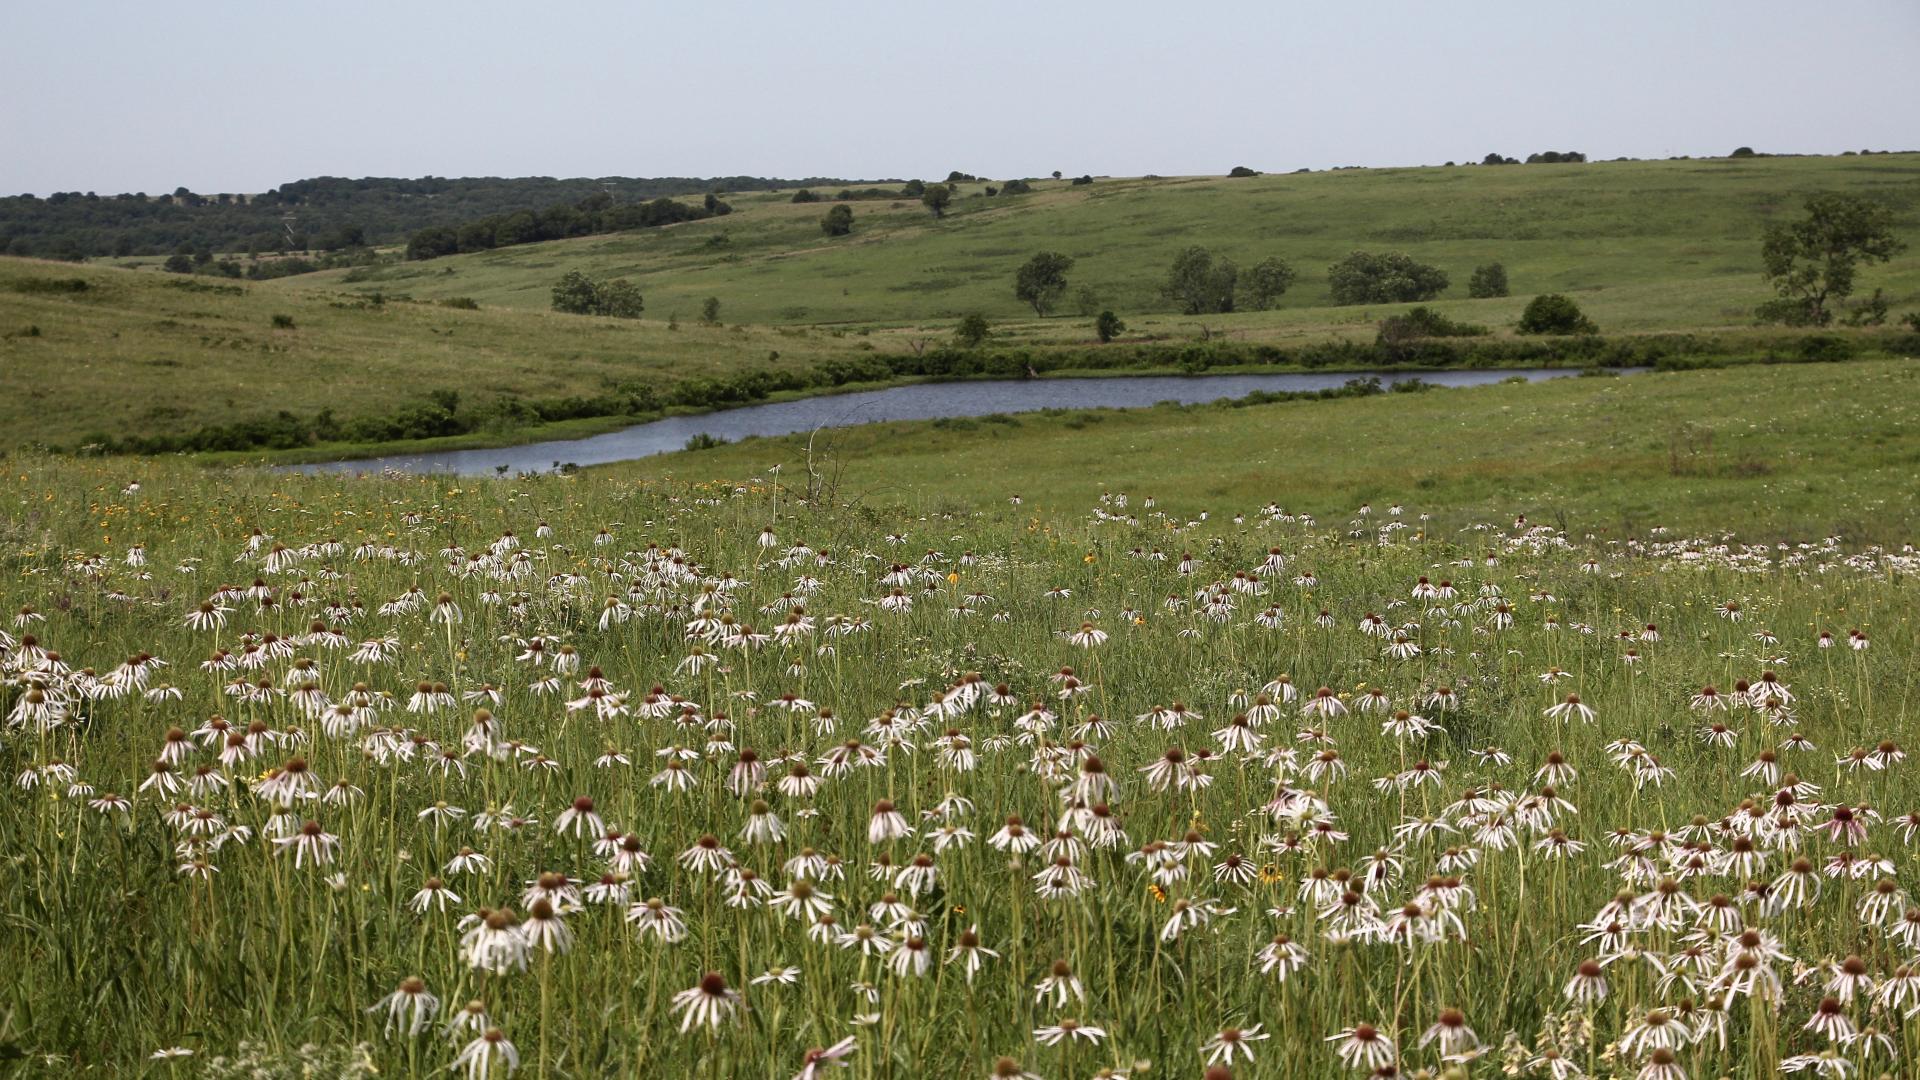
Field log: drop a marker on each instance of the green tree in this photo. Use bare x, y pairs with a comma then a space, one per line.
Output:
1043, 281
838, 222
1812, 262
179, 264
710, 310
1552, 313
1239, 171
619, 298
1108, 326
1267, 281
936, 198
1366, 278
972, 332
1487, 281
576, 294
1201, 284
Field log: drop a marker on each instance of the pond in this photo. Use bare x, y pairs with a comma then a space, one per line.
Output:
920, 401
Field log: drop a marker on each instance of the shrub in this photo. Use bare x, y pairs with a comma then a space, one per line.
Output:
1241, 170
1015, 187
1367, 278
1424, 322
1487, 281
1108, 326
51, 285
578, 294
838, 222
805, 196
1267, 281
283, 322
704, 441
462, 303
972, 332
1552, 313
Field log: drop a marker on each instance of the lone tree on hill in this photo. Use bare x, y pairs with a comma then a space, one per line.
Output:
1043, 281
1812, 262
972, 332
1201, 284
936, 197
1487, 281
838, 222
1269, 278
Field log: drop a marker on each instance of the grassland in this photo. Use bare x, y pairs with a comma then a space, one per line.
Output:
1775, 451
1643, 246
1647, 248
376, 839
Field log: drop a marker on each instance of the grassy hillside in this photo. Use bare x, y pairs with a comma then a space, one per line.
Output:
1643, 245
138, 351
1786, 450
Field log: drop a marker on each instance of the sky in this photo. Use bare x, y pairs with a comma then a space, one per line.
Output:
225, 96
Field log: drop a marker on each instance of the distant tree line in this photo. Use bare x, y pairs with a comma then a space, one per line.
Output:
595, 214
326, 213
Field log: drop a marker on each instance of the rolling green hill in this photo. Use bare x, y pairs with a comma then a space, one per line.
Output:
138, 358
1643, 245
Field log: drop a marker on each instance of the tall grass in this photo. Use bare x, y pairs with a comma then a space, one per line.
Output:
130, 932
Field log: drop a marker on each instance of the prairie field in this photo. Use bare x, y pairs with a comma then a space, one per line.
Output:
603, 775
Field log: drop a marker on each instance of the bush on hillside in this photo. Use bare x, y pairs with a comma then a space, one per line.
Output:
1367, 278
1552, 313
1487, 281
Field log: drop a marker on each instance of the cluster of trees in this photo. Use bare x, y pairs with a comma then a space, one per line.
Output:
1545, 157
578, 294
595, 214
326, 213
1368, 278
1205, 284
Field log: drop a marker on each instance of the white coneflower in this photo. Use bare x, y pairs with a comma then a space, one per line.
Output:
969, 953
1830, 1019
911, 958
409, 1007
311, 844
545, 929
654, 917
802, 900
887, 824
493, 942
489, 1052
1568, 709
435, 894
707, 855
708, 1004
1588, 987
1450, 1030
1067, 1029
816, 1060
1061, 984
1363, 1046
579, 819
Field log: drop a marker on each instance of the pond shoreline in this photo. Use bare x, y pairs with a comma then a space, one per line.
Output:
586, 427
921, 399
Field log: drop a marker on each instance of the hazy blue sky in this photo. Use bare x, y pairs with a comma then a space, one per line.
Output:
240, 96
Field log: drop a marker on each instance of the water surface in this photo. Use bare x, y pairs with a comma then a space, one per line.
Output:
920, 401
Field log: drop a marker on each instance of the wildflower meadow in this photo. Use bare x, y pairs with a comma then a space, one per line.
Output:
572, 776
